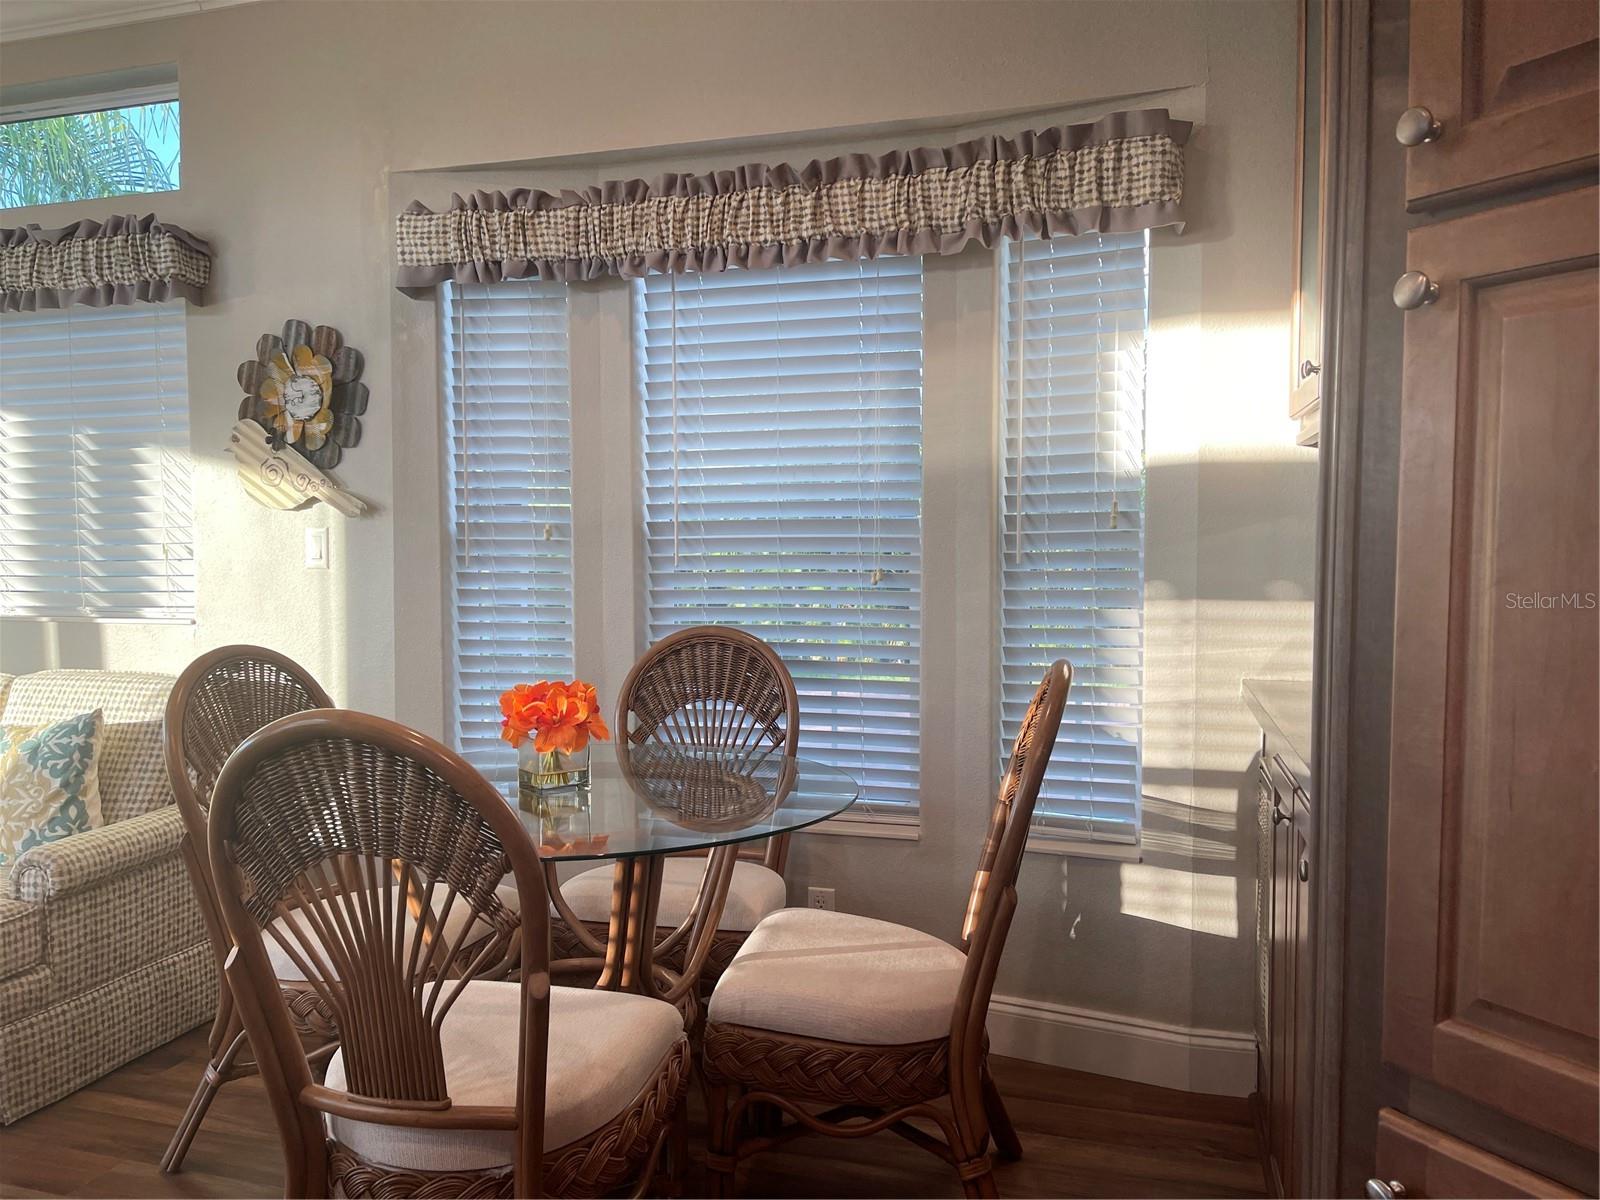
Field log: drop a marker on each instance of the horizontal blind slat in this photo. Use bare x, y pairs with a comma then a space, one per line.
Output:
781, 427
508, 458
1074, 320
96, 494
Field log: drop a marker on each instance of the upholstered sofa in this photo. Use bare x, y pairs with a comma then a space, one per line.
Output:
102, 952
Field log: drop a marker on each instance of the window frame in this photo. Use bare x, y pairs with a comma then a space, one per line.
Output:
52, 102
959, 700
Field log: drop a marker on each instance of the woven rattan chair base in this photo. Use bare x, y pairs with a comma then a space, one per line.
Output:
592, 1166
826, 1072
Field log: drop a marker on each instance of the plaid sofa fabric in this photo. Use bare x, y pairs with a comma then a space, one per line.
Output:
63, 1046
103, 954
21, 937
133, 777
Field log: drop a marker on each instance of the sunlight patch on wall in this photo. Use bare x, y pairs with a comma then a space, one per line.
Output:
1202, 903
1218, 389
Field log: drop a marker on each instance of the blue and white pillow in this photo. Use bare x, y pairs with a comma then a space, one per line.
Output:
49, 783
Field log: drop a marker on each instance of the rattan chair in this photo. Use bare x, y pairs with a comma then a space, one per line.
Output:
446, 1082
218, 701
851, 1026
708, 688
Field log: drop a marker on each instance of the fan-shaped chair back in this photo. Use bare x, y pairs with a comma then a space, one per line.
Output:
221, 698
369, 855
715, 689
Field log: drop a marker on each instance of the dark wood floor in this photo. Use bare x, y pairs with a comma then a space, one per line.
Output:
1082, 1135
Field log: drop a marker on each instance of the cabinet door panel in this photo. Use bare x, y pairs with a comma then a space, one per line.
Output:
1492, 952
1427, 1163
1513, 85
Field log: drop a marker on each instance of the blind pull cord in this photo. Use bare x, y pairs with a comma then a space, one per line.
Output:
1022, 396
672, 340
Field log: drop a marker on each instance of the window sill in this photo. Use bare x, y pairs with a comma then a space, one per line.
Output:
903, 829
1044, 843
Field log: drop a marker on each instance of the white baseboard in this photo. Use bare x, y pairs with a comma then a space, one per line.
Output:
1214, 1061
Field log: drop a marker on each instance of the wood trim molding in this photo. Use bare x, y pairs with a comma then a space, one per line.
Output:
75, 18
1212, 1061
1344, 255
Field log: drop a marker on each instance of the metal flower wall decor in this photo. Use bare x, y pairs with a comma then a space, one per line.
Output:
301, 409
304, 388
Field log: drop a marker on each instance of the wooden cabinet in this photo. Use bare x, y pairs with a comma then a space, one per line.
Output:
1511, 84
1434, 1164
1283, 913
1492, 953
1491, 1008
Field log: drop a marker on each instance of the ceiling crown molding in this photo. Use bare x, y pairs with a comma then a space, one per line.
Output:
21, 19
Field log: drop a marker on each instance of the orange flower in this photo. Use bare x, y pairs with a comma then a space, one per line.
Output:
562, 716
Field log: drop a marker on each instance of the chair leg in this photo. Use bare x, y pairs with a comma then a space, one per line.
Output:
224, 1025
678, 1152
214, 1076
1005, 1133
980, 1185
721, 1141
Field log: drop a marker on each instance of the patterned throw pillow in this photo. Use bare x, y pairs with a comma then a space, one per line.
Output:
49, 783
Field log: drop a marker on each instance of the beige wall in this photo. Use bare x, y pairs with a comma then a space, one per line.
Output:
296, 115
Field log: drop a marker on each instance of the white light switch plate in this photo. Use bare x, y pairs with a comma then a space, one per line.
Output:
317, 548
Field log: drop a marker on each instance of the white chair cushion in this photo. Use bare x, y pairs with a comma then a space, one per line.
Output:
754, 892
841, 977
284, 966
604, 1048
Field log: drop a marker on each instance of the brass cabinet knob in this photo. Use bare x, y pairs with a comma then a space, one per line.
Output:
1413, 290
1377, 1189
1417, 127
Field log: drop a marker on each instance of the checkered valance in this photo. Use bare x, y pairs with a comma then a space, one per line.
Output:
1120, 173
120, 261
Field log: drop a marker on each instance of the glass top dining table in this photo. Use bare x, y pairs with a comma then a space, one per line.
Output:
643, 804
666, 800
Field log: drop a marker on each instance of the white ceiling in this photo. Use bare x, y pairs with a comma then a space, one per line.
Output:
39, 18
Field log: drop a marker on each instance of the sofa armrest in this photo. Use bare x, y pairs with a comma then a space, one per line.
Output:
55, 869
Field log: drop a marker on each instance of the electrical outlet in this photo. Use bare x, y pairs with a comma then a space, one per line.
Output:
820, 898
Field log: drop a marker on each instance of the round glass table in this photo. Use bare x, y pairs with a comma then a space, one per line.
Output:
642, 804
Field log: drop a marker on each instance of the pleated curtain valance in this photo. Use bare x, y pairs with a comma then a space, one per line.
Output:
118, 261
1121, 173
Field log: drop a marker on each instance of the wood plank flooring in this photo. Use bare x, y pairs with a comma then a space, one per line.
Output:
1082, 1135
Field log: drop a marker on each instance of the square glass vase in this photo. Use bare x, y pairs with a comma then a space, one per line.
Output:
549, 777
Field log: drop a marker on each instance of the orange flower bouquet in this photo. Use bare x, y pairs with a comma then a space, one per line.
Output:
550, 724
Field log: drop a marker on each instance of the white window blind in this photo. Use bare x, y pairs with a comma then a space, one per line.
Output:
96, 495
782, 414
508, 459
1075, 316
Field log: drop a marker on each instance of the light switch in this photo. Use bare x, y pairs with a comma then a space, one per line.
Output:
317, 548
